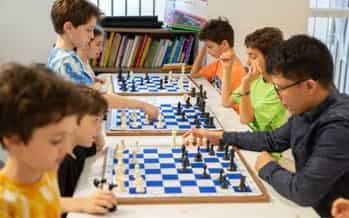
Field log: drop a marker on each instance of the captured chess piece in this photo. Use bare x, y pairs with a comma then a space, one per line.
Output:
98, 183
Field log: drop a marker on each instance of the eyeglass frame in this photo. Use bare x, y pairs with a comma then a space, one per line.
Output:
280, 89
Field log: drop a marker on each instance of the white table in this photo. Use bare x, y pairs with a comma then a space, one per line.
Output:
277, 207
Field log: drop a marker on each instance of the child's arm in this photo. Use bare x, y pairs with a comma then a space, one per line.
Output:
117, 101
246, 110
197, 63
227, 60
97, 203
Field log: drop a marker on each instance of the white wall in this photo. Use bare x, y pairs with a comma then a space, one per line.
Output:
26, 33
291, 16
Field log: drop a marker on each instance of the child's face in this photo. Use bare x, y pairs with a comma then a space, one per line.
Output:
254, 54
46, 148
96, 47
82, 35
215, 49
87, 131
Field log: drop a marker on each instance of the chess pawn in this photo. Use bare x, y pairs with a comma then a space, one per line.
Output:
139, 186
134, 155
123, 123
170, 76
122, 144
121, 185
183, 69
131, 75
134, 123
185, 97
160, 124
146, 119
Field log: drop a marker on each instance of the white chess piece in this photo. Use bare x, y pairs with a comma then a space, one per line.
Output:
146, 119
174, 144
139, 183
131, 74
123, 123
121, 185
170, 76
138, 147
185, 96
160, 125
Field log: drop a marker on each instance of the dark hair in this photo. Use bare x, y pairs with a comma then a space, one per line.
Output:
78, 12
264, 39
302, 57
95, 104
33, 97
218, 30
98, 30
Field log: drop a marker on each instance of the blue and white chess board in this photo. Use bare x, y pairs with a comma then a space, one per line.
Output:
165, 180
151, 86
171, 121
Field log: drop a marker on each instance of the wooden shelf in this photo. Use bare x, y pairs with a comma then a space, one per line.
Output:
148, 31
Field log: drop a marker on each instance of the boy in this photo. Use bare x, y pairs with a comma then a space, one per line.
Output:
218, 36
38, 116
259, 105
89, 126
74, 22
317, 132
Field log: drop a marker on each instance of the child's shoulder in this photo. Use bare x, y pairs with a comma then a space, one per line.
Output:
59, 56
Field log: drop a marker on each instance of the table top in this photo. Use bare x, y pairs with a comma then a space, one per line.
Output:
277, 207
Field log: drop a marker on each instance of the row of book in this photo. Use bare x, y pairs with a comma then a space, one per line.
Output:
144, 51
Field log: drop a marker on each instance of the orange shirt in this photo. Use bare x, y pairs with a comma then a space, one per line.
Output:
37, 200
214, 71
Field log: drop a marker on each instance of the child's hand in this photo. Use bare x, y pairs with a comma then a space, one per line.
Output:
340, 208
97, 86
212, 136
227, 58
100, 80
99, 202
253, 73
151, 110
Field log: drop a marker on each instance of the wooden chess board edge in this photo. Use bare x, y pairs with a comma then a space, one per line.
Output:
254, 176
151, 93
191, 199
148, 132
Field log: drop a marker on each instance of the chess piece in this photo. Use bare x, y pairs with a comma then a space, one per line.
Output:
165, 79
198, 156
183, 116
185, 162
119, 75
205, 95
220, 146
224, 182
242, 186
221, 173
133, 86
205, 174
170, 76
147, 79
197, 122
193, 92
141, 81
96, 182
134, 123
183, 149
187, 102
225, 156
139, 183
121, 185
174, 144
161, 85
210, 122
183, 69
201, 89
179, 109
146, 119
160, 124
131, 74
198, 100
207, 145
138, 148
212, 152
232, 166
123, 123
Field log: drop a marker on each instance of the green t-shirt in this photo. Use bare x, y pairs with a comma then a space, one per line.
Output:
268, 111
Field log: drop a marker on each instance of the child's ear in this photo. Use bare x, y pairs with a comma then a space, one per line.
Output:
12, 141
68, 26
225, 44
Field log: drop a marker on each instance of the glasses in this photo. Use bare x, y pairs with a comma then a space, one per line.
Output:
280, 89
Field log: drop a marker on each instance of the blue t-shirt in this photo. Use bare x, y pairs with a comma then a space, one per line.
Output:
68, 65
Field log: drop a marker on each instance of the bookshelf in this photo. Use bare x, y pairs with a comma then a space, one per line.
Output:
145, 50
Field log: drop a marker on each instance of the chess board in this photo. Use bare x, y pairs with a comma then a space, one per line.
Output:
171, 121
167, 182
151, 86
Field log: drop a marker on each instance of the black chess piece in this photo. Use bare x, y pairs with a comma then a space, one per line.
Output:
183, 151
141, 81
211, 152
201, 89
211, 122
161, 85
220, 146
183, 116
187, 103
197, 123
242, 186
221, 173
133, 87
224, 182
202, 106
128, 75
179, 109
226, 149
205, 95
198, 100
198, 157
147, 78
205, 174
123, 86
120, 75
185, 162
232, 166
193, 92
166, 79
96, 182
114, 208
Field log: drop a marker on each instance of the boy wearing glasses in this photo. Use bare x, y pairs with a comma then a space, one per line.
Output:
301, 69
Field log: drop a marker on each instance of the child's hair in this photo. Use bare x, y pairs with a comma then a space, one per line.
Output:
32, 97
264, 39
302, 57
78, 12
95, 103
218, 30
